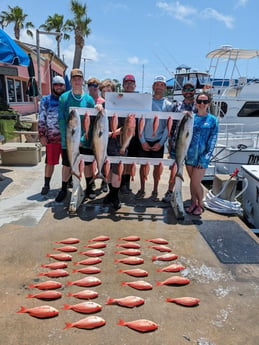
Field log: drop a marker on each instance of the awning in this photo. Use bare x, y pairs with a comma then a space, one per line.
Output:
11, 52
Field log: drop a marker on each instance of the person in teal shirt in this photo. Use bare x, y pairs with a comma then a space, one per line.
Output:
76, 97
204, 138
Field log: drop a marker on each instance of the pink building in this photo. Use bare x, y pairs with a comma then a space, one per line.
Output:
14, 79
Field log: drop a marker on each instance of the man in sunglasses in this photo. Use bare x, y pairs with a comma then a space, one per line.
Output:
188, 104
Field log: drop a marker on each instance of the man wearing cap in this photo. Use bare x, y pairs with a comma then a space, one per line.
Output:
129, 85
188, 104
48, 128
152, 143
76, 98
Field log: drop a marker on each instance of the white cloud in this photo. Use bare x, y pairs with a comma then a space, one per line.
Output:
178, 11
134, 60
209, 13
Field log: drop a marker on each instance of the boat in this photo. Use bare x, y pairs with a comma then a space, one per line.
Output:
236, 104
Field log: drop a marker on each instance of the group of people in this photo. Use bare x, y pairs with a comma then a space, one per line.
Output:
53, 119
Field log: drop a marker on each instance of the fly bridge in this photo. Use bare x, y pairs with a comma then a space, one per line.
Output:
123, 104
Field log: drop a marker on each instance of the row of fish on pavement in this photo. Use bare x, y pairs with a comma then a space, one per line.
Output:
100, 141
131, 247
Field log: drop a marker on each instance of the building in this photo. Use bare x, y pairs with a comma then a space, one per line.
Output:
14, 78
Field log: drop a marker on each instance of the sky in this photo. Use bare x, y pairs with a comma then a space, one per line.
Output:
149, 37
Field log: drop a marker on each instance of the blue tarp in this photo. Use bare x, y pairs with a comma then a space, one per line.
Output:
11, 52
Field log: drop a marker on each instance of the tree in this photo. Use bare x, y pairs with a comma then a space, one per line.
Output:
16, 16
56, 23
79, 24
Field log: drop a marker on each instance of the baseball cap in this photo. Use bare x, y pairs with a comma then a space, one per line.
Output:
76, 72
188, 83
129, 77
58, 80
160, 78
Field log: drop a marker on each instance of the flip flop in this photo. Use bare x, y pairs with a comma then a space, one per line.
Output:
191, 208
198, 211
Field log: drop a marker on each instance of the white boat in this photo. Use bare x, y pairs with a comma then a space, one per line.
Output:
236, 103
250, 199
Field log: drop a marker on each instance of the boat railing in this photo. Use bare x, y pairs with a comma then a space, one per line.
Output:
234, 135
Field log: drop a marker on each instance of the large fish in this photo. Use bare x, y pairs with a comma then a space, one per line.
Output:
73, 136
100, 141
127, 132
183, 139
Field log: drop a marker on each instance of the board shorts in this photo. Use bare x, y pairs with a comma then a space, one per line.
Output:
151, 154
53, 153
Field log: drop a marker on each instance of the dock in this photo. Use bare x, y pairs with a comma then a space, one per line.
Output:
226, 282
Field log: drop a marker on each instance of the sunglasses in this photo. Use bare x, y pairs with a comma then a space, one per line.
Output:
93, 85
188, 89
204, 101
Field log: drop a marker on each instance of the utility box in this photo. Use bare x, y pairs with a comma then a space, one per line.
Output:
20, 153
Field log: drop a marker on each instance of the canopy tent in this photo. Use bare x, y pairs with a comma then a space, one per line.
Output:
11, 52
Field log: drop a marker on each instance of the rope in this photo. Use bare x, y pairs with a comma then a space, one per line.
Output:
219, 205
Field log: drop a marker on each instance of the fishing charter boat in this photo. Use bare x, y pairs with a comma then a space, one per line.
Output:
236, 104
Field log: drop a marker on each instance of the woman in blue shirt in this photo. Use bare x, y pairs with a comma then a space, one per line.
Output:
205, 131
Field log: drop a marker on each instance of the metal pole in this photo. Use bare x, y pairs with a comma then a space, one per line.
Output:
38, 62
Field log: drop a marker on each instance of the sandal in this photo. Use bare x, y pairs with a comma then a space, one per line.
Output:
191, 208
198, 211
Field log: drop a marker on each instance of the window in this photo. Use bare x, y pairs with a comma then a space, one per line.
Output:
249, 109
16, 91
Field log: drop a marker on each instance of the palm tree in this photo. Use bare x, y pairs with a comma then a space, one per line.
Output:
16, 16
56, 23
79, 25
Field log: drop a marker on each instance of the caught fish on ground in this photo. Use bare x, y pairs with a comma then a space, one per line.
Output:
165, 257
129, 251
42, 312
46, 295
55, 265
84, 294
88, 270
84, 307
132, 260
87, 281
158, 240
89, 261
161, 248
66, 249
139, 285
129, 245
100, 238
135, 272
97, 245
60, 256
89, 322
171, 268
47, 285
185, 301
129, 301
175, 280
69, 240
129, 238
54, 273
93, 252
141, 325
